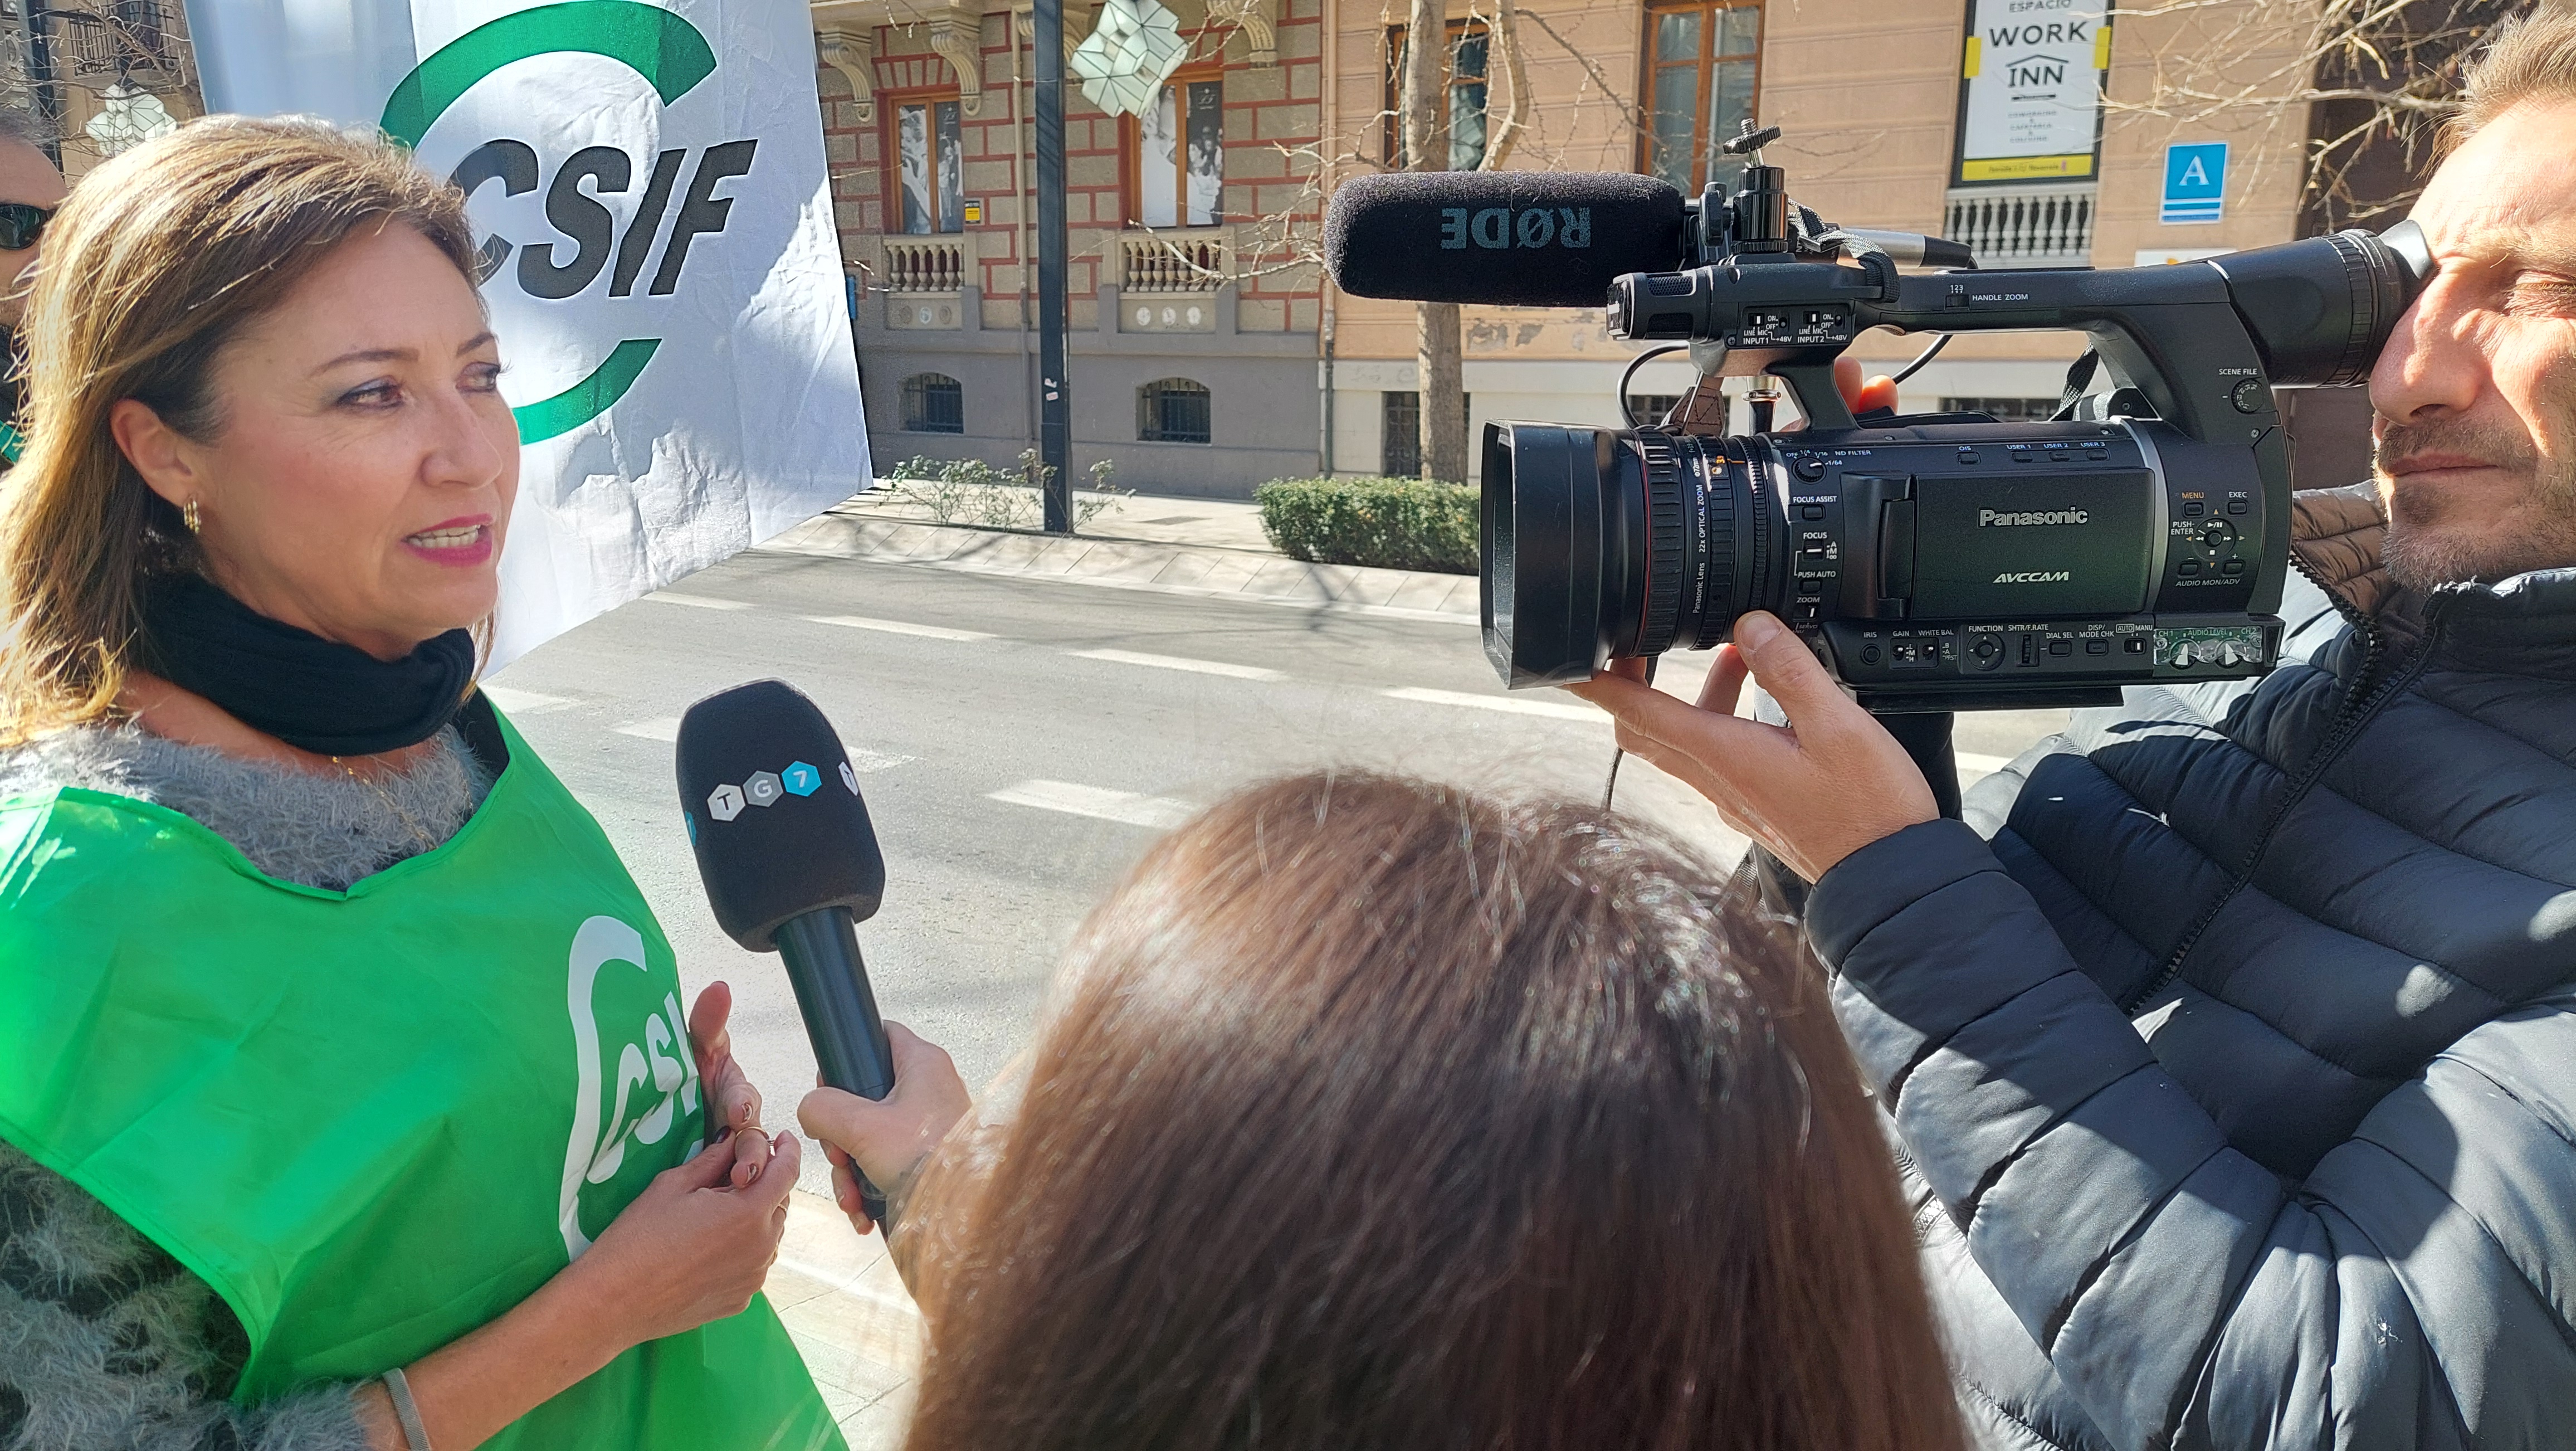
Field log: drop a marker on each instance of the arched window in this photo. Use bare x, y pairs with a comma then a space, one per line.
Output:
933, 403
1172, 410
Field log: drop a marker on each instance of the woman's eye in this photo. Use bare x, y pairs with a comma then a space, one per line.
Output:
381, 394
483, 378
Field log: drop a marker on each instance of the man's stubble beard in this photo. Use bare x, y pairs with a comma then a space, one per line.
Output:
2421, 553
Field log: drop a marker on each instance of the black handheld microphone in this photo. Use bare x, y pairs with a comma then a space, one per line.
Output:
791, 864
1510, 238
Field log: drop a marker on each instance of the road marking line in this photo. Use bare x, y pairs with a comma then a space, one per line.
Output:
1512, 703
897, 627
700, 602
1133, 808
863, 760
527, 702
1098, 581
659, 728
1180, 662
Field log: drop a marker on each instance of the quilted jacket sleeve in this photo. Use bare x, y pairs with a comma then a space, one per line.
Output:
2415, 1291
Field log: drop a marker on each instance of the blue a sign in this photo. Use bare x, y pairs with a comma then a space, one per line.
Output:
2195, 182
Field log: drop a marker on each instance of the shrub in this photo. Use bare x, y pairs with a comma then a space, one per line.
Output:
1390, 523
972, 492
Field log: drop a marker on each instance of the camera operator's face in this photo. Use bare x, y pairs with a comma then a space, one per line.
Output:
2475, 394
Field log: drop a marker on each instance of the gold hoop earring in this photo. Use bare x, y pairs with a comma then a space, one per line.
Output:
189, 515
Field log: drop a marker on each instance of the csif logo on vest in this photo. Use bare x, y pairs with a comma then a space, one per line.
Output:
582, 243
638, 1081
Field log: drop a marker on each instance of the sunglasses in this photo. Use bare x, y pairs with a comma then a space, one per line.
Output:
21, 224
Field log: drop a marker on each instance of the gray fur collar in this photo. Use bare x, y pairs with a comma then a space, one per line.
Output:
297, 826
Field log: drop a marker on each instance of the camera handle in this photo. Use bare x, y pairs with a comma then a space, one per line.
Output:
1925, 735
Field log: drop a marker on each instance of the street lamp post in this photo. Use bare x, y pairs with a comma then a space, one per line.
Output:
1055, 417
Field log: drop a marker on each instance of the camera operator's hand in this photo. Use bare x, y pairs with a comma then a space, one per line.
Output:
1860, 397
1814, 792
889, 1139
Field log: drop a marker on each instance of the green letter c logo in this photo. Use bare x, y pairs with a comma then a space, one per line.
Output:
657, 44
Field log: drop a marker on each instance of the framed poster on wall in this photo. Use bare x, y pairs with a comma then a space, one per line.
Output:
2030, 92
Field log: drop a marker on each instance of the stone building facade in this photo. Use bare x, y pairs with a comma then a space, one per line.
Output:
1207, 353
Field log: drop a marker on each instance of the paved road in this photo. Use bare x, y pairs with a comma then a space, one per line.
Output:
1021, 741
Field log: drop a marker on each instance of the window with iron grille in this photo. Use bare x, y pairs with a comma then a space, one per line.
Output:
1399, 454
933, 403
1172, 410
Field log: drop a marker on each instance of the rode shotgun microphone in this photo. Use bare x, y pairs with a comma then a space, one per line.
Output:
1510, 238
791, 865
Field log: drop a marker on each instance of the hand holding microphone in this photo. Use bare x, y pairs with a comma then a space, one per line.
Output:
791, 864
886, 1143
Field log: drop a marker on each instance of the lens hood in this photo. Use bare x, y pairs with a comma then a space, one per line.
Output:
1565, 551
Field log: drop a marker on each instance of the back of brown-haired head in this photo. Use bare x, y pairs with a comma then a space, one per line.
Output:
1376, 1115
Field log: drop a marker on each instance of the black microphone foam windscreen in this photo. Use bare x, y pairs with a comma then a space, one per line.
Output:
774, 812
1510, 238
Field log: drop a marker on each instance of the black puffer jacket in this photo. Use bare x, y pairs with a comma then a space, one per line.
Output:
2239, 1066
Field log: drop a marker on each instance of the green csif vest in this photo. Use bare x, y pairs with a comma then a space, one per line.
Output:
373, 1120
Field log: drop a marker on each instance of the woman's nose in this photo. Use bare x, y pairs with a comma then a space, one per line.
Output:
466, 450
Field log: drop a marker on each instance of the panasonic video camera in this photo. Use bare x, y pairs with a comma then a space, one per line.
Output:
1938, 561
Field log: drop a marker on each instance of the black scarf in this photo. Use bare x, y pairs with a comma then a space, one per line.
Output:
314, 694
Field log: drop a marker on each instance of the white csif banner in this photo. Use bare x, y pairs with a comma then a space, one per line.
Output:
648, 183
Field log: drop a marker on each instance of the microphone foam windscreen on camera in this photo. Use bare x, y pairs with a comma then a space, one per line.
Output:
1510, 238
774, 812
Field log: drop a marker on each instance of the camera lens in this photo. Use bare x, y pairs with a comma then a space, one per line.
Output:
2319, 309
1601, 543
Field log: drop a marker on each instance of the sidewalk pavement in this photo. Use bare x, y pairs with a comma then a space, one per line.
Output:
851, 1319
1206, 547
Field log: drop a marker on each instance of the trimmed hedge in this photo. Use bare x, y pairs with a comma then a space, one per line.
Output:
1390, 523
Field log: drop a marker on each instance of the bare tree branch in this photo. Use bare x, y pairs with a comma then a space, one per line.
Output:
1506, 32
2368, 82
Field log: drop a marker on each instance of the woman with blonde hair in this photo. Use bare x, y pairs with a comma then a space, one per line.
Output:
1376, 1114
345, 1095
